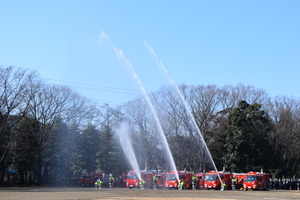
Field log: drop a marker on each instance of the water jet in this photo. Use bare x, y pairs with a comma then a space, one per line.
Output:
129, 66
127, 148
187, 108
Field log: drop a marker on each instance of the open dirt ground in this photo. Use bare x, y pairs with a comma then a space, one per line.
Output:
77, 193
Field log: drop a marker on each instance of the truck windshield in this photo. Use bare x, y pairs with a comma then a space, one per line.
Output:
131, 176
170, 177
210, 177
250, 178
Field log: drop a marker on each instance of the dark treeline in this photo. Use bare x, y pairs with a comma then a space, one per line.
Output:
49, 134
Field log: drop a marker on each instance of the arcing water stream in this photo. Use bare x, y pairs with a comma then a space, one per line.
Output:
123, 59
187, 108
127, 148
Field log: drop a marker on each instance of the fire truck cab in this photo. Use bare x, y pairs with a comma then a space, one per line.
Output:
256, 181
132, 180
172, 182
212, 180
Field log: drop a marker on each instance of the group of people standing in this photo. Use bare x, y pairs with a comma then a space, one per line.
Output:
285, 184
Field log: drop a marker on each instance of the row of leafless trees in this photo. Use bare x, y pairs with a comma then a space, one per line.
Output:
210, 106
24, 96
49, 133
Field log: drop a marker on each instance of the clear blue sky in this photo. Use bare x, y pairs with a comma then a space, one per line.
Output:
218, 42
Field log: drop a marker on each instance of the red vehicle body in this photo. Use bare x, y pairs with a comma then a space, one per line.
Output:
161, 179
256, 181
240, 179
172, 182
89, 179
147, 177
85, 180
132, 180
120, 181
200, 178
212, 180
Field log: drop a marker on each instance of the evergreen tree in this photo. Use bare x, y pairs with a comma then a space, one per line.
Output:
109, 120
26, 150
217, 147
63, 144
74, 142
88, 148
246, 140
119, 163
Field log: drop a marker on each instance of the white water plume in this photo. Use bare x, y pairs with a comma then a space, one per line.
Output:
123, 59
187, 108
126, 144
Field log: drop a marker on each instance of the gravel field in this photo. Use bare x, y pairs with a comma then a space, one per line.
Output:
78, 193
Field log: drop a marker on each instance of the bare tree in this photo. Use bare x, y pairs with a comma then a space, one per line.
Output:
49, 104
79, 110
108, 120
141, 128
233, 94
17, 87
285, 137
205, 102
177, 127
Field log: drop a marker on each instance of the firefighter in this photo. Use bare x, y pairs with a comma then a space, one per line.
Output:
98, 184
142, 184
111, 181
194, 182
233, 183
154, 182
121, 181
223, 185
180, 185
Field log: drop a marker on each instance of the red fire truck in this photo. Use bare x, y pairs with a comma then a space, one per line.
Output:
132, 180
256, 181
147, 177
85, 180
161, 179
240, 179
120, 181
89, 179
200, 178
172, 182
212, 180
